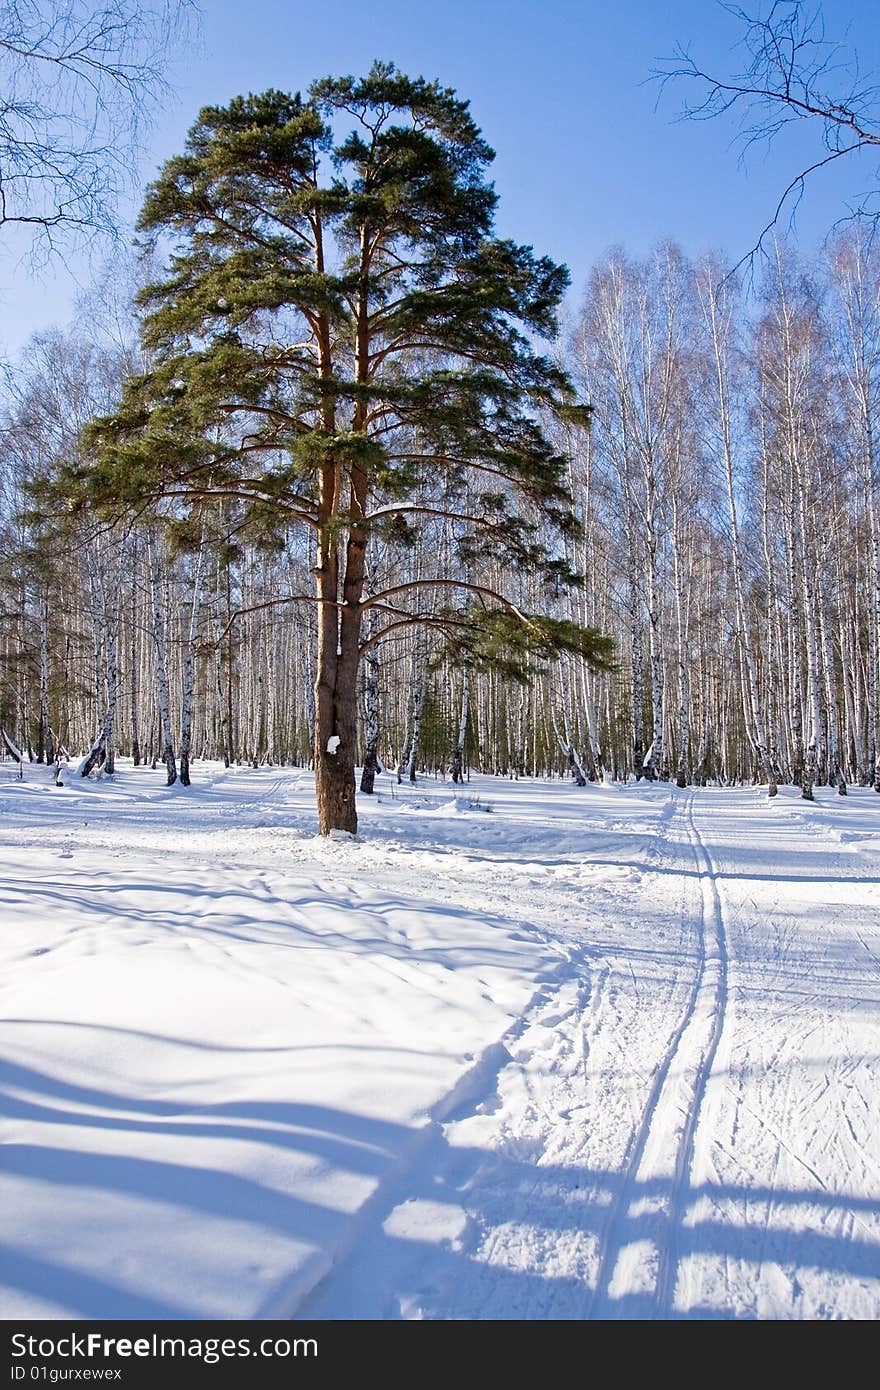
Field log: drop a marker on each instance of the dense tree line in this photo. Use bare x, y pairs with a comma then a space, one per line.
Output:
735, 478
730, 544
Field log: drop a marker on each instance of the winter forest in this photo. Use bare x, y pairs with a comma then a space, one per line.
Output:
726, 496
439, 670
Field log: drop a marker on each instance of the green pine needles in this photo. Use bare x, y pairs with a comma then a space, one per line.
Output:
341, 344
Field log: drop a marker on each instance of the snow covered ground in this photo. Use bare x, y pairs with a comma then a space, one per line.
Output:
519, 1051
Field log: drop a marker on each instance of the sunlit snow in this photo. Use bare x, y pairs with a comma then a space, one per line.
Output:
608, 1052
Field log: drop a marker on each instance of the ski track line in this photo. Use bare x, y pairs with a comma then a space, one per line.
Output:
295, 1299
715, 977
663, 1102
614, 1238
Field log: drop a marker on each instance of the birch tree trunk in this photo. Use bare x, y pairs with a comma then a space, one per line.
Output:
372, 764
158, 623
856, 275
682, 734
133, 662
46, 746
654, 758
111, 608
589, 704
564, 738
189, 671
754, 715
636, 662
461, 737
835, 773
815, 751
417, 718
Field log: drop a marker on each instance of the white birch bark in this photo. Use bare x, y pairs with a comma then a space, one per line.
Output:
461, 736
372, 764
717, 313
158, 623
418, 714
564, 737
186, 711
46, 748
682, 731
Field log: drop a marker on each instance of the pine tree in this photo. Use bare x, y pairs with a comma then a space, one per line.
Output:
340, 342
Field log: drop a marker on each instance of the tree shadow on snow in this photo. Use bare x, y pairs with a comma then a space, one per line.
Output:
381, 1270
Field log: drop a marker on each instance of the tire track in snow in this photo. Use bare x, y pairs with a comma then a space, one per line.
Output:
654, 1186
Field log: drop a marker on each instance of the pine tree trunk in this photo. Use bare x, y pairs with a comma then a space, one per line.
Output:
105, 627
333, 752
221, 708
339, 627
336, 712
228, 692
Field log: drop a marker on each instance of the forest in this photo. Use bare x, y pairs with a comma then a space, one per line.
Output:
636, 540
511, 519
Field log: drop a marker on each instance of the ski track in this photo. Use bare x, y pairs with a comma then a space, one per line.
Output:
525, 1146
785, 1157
671, 1126
712, 980
639, 1273
679, 1081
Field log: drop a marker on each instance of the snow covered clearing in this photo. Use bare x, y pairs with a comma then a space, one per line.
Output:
521, 1050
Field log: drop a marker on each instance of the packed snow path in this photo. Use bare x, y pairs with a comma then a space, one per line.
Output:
608, 1053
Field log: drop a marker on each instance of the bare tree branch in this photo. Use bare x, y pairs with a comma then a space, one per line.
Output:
792, 72
79, 83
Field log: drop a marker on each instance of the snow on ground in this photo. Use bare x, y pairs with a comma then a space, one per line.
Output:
518, 1051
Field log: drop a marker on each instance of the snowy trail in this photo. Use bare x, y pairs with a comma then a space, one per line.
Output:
533, 1203
785, 1219
638, 1266
713, 986
535, 1143
598, 1054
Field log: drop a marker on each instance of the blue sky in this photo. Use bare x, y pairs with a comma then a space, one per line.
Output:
587, 158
